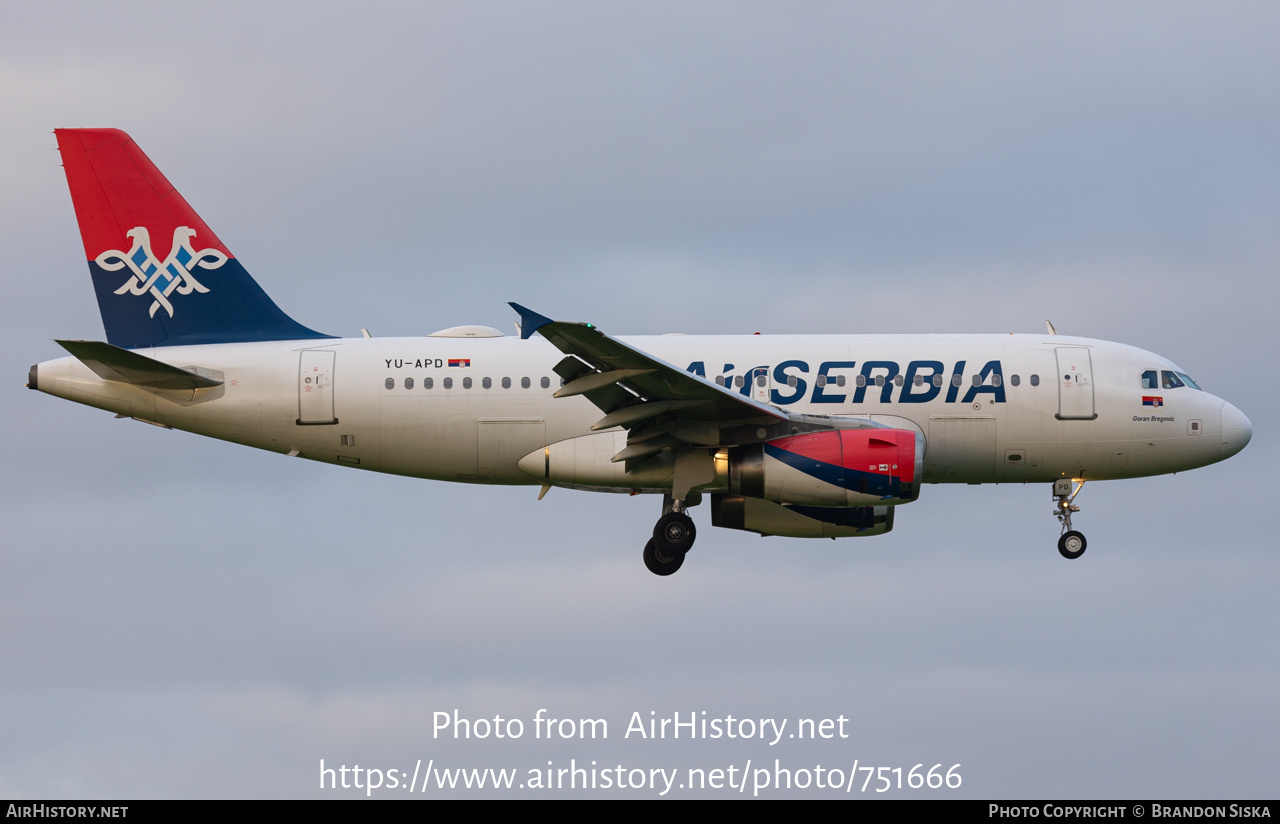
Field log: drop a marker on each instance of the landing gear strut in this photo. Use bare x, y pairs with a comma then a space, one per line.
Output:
1072, 544
673, 536
674, 533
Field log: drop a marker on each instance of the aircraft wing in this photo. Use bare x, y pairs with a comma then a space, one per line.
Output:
658, 403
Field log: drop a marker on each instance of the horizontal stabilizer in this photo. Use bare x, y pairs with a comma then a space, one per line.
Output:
111, 363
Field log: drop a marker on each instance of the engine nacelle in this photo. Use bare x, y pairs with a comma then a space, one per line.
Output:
769, 518
837, 468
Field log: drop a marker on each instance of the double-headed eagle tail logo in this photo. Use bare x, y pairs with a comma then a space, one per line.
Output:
157, 278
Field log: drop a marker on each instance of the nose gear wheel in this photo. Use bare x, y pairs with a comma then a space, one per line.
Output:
1072, 544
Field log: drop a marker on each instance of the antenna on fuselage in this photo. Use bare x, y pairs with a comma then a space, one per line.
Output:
1049, 326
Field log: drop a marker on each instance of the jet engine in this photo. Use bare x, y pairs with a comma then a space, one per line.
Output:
836, 468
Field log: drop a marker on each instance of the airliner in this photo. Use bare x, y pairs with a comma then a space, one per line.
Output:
815, 436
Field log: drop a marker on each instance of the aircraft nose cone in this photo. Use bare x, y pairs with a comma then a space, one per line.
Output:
1236, 430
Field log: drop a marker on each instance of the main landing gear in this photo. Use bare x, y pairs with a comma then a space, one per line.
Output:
1072, 544
673, 536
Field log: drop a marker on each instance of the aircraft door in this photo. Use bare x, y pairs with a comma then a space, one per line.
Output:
315, 387
1075, 384
760, 388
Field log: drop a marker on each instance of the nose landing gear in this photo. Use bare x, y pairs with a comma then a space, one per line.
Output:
1072, 544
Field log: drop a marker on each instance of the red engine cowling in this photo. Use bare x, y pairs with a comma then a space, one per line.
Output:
837, 468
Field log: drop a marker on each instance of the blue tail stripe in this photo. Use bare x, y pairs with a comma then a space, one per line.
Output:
233, 310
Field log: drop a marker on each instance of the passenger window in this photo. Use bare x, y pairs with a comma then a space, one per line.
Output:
918, 380
408, 383
466, 383
821, 380
839, 380
977, 380
861, 380
524, 383
956, 380
486, 383
391, 383
1035, 380
879, 380
427, 383
937, 379
760, 379
719, 380
737, 381
1149, 379
1014, 380
995, 380
897, 380
448, 383
546, 383
506, 383
792, 380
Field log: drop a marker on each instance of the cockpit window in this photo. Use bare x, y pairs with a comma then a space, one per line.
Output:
1168, 380
1187, 380
1149, 379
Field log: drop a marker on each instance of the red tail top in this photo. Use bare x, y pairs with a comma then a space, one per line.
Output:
115, 188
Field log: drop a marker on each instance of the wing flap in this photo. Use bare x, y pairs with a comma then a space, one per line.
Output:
628, 416
597, 380
636, 451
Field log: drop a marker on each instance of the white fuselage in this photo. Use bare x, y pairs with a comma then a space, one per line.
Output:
1084, 414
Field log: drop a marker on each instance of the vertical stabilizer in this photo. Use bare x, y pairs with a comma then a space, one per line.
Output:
162, 277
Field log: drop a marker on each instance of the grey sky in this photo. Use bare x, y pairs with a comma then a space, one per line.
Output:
181, 617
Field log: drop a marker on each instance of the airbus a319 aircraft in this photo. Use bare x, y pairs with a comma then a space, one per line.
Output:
797, 435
